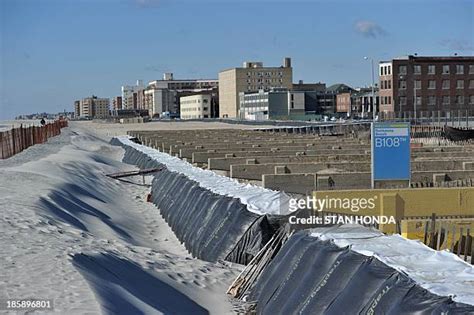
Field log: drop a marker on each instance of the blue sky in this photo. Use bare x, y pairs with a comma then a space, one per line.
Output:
56, 51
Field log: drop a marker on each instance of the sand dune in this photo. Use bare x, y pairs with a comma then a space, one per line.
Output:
91, 243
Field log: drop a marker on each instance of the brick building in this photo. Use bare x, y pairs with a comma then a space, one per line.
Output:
426, 83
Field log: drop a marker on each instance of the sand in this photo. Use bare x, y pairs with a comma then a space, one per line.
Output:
92, 243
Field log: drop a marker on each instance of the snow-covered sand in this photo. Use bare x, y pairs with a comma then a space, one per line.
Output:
92, 243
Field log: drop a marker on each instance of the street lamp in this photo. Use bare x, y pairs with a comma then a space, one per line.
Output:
374, 108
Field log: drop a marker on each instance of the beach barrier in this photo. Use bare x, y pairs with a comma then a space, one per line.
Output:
313, 275
15, 140
212, 226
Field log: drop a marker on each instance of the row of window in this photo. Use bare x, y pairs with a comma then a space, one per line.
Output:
264, 80
193, 109
261, 74
445, 84
445, 100
193, 101
431, 69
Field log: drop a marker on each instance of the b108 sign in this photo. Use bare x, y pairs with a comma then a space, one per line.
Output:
390, 151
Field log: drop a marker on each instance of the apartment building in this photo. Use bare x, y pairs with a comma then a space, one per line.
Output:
426, 84
198, 106
92, 107
252, 77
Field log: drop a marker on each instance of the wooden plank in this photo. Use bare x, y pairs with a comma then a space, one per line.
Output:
432, 230
460, 242
453, 238
134, 173
438, 241
425, 240
466, 244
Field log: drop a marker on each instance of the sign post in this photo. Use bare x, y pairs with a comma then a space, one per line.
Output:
390, 152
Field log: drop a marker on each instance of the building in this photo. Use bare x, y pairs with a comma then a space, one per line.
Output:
77, 109
252, 77
301, 86
159, 101
93, 107
163, 96
129, 95
117, 103
358, 102
343, 102
273, 104
426, 84
197, 106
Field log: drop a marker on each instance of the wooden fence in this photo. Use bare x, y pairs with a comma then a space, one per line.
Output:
441, 234
16, 140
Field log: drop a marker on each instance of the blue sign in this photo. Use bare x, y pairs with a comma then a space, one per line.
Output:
390, 151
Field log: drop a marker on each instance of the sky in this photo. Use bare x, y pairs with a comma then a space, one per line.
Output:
56, 51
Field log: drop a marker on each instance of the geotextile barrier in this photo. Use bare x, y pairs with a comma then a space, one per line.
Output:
211, 226
314, 276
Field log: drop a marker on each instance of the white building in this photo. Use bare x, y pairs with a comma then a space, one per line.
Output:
273, 104
159, 101
196, 106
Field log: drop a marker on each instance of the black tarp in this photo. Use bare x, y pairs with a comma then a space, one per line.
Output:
312, 276
211, 226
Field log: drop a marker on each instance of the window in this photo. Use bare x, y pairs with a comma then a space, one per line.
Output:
459, 99
431, 69
418, 100
445, 84
417, 84
471, 69
402, 69
445, 100
445, 69
459, 69
403, 100
389, 84
431, 100
460, 84
431, 84
471, 99
389, 70
471, 84
402, 84
417, 69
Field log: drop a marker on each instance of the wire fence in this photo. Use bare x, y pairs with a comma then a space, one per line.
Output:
18, 139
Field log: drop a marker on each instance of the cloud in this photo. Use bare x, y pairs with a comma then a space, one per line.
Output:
457, 44
369, 29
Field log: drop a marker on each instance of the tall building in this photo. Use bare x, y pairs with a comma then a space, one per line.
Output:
427, 84
129, 95
93, 107
252, 77
77, 109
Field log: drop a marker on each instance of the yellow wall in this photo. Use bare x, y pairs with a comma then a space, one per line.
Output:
406, 204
